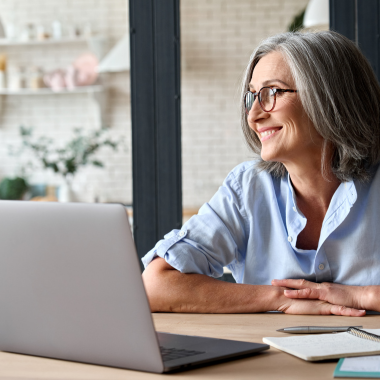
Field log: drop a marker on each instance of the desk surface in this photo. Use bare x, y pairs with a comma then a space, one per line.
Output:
272, 364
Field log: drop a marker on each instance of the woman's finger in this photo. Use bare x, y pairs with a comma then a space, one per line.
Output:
304, 293
295, 284
347, 311
319, 307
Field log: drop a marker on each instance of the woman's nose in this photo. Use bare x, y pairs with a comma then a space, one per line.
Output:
256, 112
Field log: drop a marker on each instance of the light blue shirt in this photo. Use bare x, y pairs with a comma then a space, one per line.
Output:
252, 223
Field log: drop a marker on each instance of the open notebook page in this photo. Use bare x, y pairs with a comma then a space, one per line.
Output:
326, 346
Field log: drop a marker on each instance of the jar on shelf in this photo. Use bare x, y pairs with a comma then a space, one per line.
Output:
42, 33
16, 77
35, 78
28, 33
3, 66
11, 31
56, 27
73, 31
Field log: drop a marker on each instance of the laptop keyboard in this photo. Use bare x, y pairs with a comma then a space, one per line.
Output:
175, 353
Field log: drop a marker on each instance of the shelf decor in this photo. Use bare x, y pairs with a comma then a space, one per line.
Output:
95, 90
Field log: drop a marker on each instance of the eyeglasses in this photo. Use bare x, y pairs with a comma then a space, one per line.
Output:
267, 98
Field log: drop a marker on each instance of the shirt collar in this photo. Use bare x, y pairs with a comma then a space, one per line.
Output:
348, 189
292, 192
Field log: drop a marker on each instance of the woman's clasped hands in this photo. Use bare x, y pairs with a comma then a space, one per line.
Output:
306, 297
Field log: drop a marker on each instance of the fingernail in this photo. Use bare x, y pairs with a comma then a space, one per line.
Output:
287, 291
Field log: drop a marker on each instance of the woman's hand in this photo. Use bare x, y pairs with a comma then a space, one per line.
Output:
302, 305
357, 297
312, 307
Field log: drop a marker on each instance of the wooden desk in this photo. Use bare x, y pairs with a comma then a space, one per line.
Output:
272, 364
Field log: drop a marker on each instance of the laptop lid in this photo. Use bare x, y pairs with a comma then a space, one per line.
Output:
71, 287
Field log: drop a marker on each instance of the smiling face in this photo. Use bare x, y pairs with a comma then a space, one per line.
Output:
286, 133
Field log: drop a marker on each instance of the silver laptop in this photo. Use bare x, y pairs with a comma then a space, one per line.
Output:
71, 288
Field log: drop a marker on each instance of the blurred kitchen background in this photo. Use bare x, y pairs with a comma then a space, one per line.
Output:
54, 101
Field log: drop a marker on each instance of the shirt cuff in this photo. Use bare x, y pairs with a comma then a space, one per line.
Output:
163, 246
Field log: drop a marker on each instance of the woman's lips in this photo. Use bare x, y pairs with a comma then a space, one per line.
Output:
269, 133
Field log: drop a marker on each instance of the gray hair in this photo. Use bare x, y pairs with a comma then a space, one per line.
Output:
340, 94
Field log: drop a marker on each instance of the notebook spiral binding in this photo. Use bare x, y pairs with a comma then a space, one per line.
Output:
363, 334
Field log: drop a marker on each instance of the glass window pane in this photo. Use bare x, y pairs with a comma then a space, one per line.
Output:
50, 85
217, 39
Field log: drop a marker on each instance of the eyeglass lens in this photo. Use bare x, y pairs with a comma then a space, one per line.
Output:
266, 98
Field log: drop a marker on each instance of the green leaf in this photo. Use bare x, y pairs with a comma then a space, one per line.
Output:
297, 22
98, 163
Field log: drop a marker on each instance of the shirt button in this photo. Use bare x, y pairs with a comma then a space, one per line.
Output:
294, 209
321, 266
182, 233
290, 239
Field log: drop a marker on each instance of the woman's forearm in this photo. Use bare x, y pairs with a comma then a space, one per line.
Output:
169, 290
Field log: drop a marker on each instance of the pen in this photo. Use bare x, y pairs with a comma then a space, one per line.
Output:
316, 329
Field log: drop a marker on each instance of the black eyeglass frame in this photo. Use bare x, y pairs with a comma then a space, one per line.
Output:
258, 95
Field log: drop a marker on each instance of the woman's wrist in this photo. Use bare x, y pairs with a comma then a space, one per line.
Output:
371, 297
275, 298
262, 298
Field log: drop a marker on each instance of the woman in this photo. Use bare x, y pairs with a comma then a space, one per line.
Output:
298, 226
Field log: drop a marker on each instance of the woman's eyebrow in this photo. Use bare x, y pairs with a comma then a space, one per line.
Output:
265, 83
270, 81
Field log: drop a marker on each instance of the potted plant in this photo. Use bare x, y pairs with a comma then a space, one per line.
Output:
68, 158
13, 188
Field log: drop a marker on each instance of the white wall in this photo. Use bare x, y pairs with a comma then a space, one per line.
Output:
217, 37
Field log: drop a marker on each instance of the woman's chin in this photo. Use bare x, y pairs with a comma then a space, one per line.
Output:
265, 156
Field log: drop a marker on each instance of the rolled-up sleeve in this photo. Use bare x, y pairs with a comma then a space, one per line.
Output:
214, 238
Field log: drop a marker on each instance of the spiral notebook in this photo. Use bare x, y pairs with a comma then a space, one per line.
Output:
315, 347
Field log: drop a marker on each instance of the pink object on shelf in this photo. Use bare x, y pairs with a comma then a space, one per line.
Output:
81, 73
55, 80
85, 67
71, 77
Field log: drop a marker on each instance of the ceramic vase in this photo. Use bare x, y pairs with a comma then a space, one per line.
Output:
66, 193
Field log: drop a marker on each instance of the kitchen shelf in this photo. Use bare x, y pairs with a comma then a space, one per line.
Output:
48, 41
97, 44
97, 93
49, 91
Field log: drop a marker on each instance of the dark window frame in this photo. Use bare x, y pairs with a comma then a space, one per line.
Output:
359, 20
156, 119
